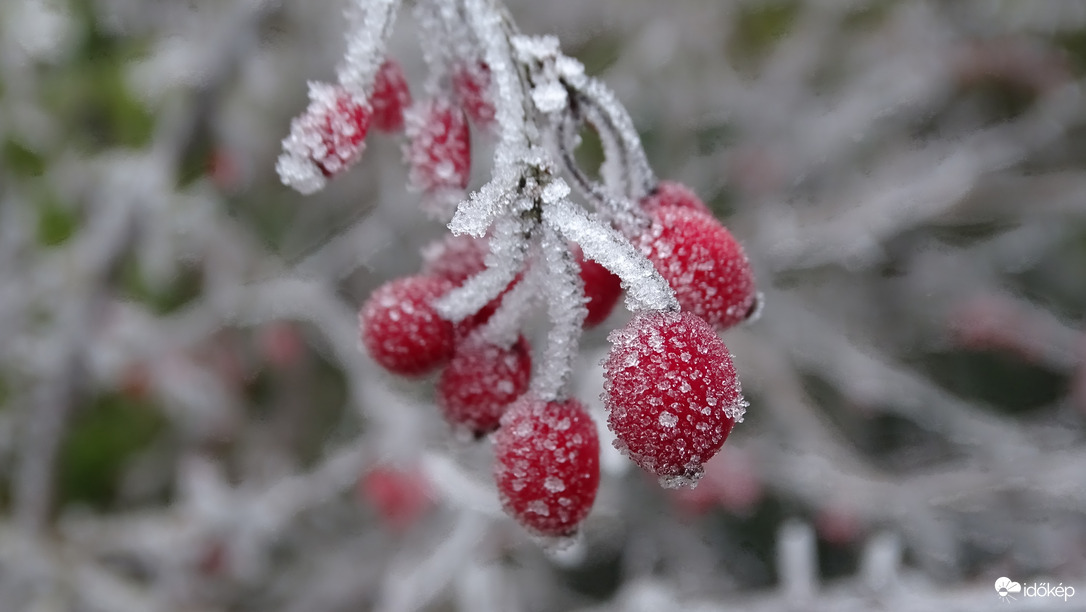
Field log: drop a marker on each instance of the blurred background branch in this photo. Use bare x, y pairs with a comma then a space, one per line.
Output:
186, 422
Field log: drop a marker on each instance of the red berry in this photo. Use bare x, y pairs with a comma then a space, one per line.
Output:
400, 496
456, 258
332, 130
481, 380
471, 87
281, 344
547, 464
672, 394
439, 148
135, 381
390, 97
989, 323
402, 331
703, 263
670, 193
601, 287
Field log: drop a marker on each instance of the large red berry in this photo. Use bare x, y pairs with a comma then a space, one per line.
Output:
481, 380
332, 130
672, 394
547, 464
390, 97
670, 193
402, 330
601, 287
471, 87
703, 263
439, 148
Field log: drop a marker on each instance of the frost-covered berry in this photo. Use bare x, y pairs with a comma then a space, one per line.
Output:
481, 380
703, 263
670, 193
456, 258
327, 138
672, 394
402, 330
391, 97
471, 88
601, 288
438, 151
547, 464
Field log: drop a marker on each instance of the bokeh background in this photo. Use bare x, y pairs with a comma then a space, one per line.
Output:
186, 422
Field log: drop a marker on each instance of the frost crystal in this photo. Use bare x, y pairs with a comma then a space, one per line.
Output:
565, 305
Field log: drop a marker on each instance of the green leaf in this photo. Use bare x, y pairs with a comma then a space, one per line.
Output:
22, 160
56, 222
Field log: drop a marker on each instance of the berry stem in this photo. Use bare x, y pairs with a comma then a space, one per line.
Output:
515, 132
503, 327
645, 288
508, 251
624, 213
372, 22
566, 310
610, 118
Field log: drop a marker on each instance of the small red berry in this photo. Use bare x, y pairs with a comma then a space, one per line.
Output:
672, 394
402, 330
439, 148
547, 464
601, 287
990, 323
703, 263
481, 380
400, 496
670, 193
390, 97
224, 168
135, 381
838, 525
471, 87
456, 258
332, 130
281, 344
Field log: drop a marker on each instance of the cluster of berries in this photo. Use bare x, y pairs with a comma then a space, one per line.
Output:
331, 133
671, 389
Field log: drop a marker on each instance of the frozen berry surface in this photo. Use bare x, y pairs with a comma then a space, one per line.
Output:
481, 380
704, 264
402, 330
438, 151
332, 130
672, 394
547, 464
671, 193
391, 96
601, 288
471, 87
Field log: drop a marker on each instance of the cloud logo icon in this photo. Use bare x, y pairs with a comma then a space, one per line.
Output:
1005, 586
